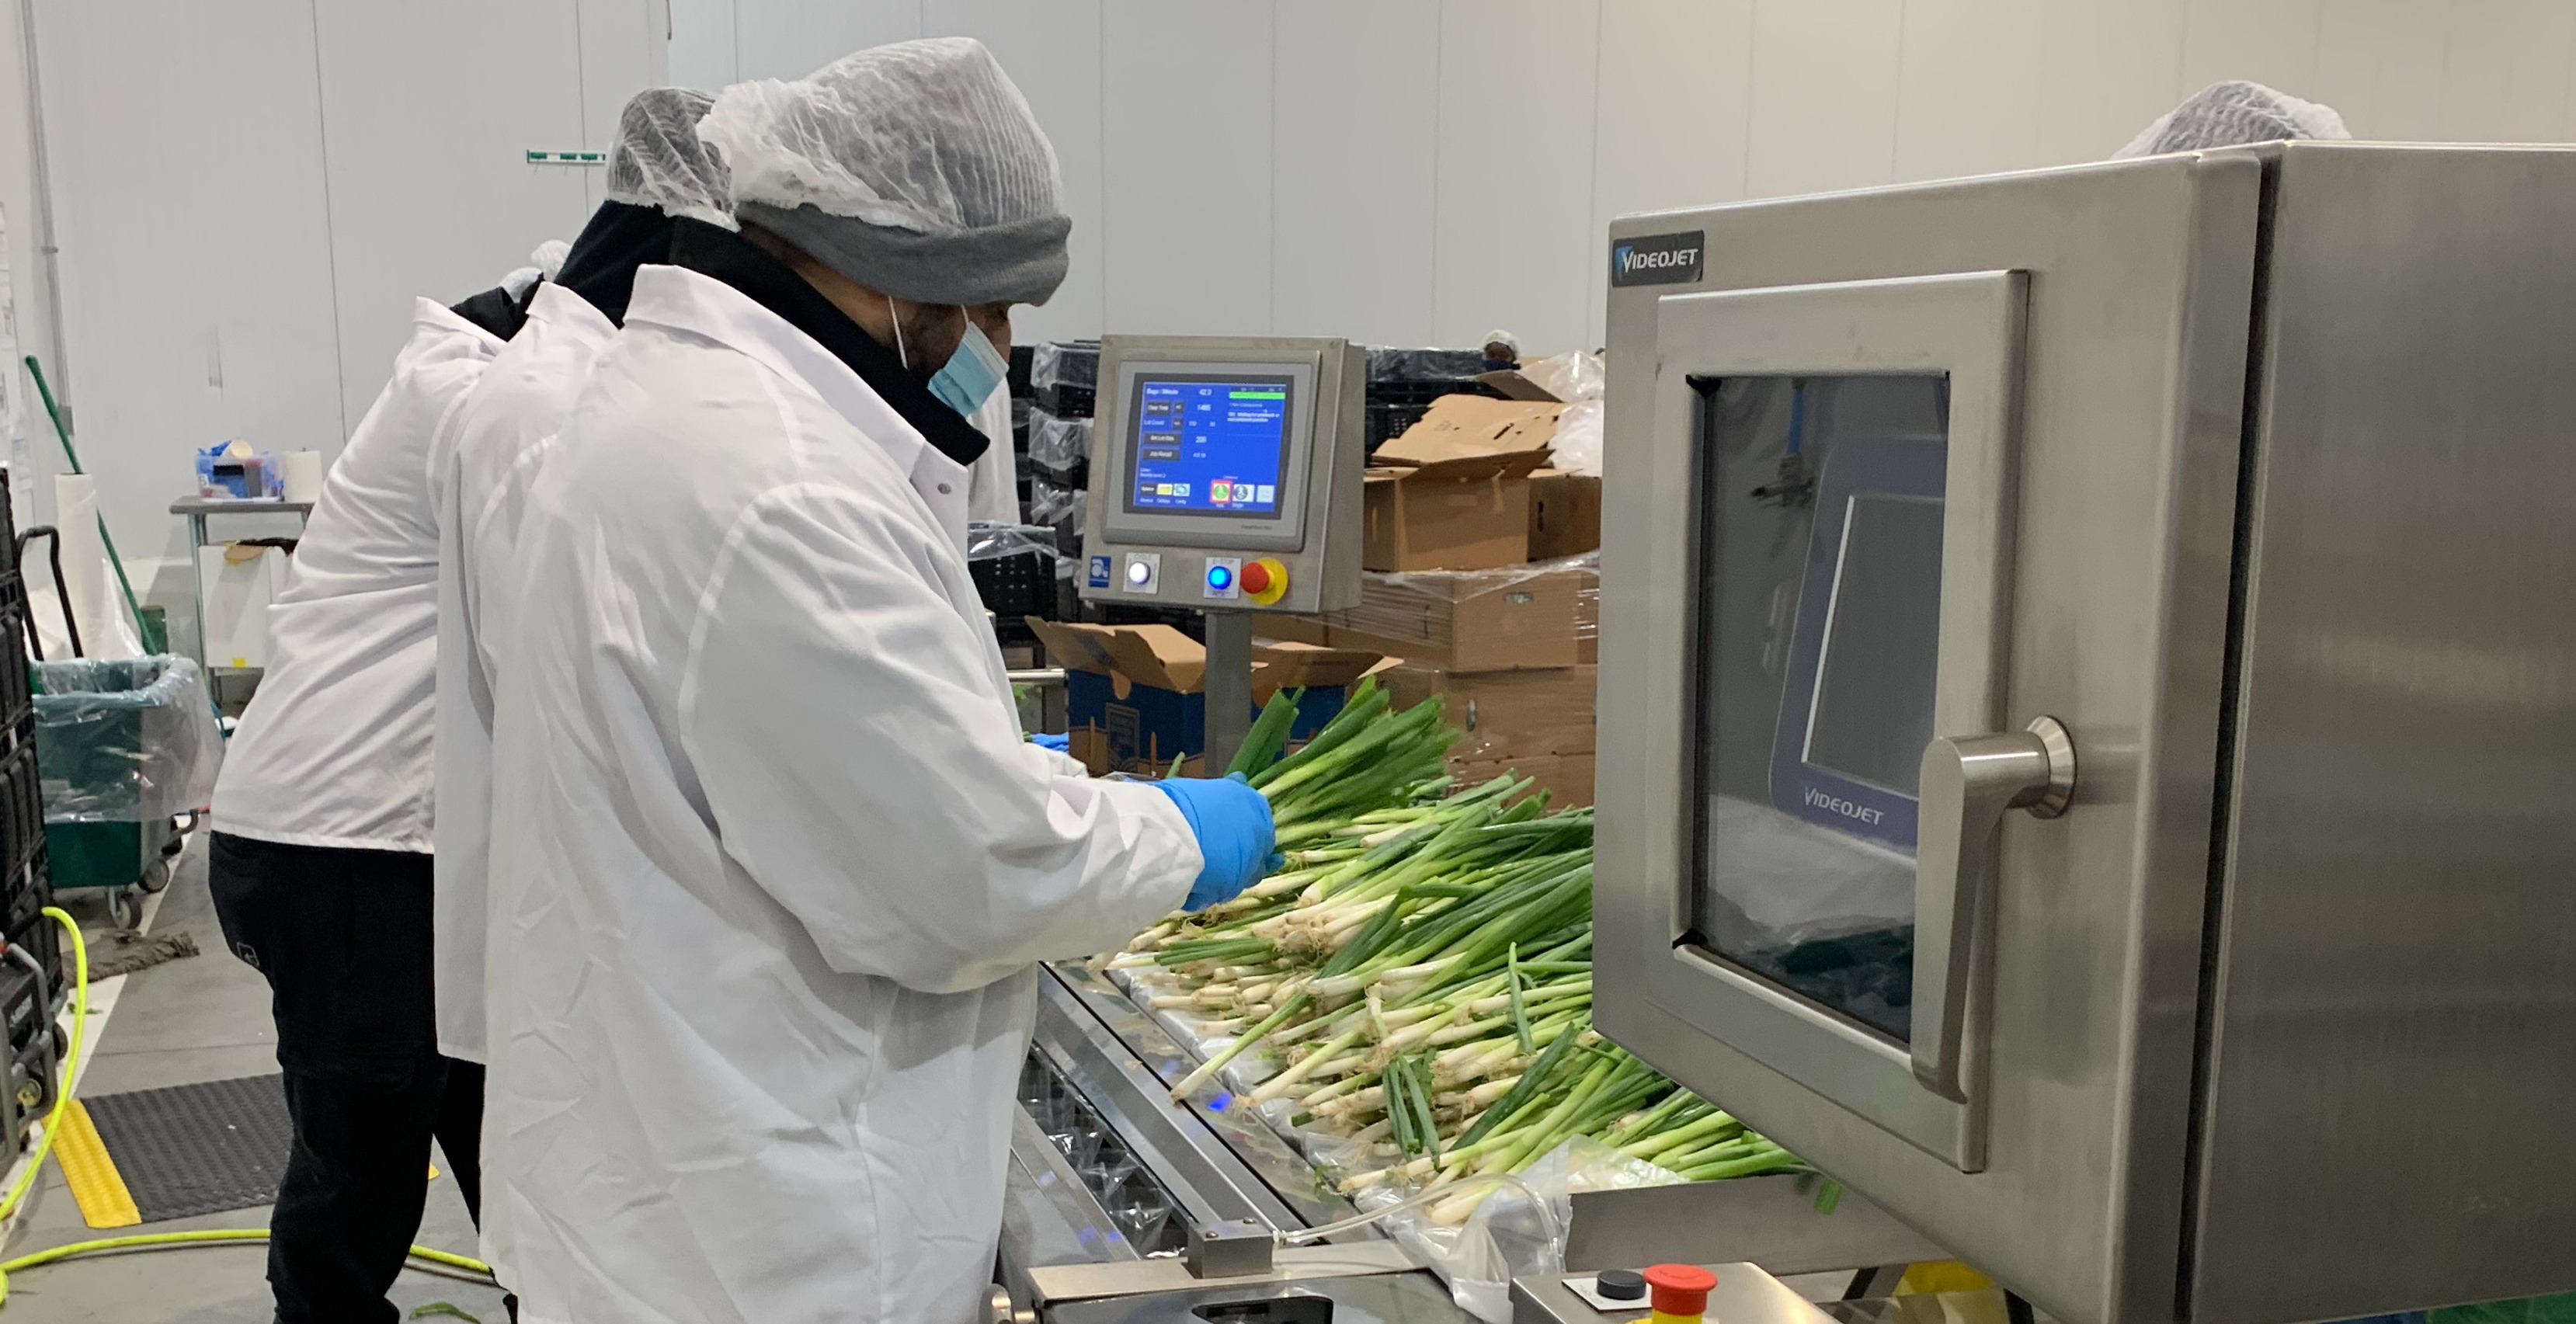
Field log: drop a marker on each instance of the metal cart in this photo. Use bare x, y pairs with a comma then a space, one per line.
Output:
198, 510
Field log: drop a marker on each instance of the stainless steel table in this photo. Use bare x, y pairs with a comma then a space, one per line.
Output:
198, 510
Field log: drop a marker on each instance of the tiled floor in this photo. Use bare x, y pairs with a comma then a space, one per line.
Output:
204, 1018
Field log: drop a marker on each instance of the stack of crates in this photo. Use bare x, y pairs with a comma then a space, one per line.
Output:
1402, 383
27, 1001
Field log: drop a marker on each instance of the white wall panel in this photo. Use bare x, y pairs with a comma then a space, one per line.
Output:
2505, 67
625, 48
196, 259
1355, 157
792, 38
442, 204
2272, 42
2381, 64
1514, 212
1675, 97
1051, 48
1824, 95
1969, 98
1186, 166
2111, 66
702, 46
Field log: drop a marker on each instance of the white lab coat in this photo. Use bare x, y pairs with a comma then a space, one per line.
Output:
771, 863
480, 475
335, 748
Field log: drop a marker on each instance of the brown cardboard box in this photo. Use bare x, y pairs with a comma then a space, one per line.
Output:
1133, 693
1505, 714
1567, 777
1587, 617
1286, 628
1451, 493
1466, 620
1564, 514
1417, 521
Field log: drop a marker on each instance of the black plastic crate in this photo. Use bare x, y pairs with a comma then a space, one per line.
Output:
17, 699
1065, 401
22, 808
1014, 586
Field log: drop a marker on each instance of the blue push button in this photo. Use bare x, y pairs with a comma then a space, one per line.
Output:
1220, 577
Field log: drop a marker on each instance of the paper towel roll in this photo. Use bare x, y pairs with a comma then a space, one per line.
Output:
304, 475
107, 629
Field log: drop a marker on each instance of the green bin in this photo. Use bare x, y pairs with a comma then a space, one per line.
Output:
123, 747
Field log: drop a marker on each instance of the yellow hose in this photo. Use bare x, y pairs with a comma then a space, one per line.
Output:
45, 1146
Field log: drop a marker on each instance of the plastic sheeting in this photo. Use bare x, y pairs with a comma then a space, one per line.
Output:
125, 740
1388, 364
1066, 363
1060, 447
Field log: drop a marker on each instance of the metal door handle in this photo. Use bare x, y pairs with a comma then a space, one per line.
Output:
1967, 784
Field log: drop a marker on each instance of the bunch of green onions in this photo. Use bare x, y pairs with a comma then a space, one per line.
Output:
1422, 970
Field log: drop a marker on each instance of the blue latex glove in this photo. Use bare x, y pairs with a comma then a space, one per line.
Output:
1059, 742
1232, 822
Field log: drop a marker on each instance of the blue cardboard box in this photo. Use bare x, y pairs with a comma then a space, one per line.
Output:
1135, 700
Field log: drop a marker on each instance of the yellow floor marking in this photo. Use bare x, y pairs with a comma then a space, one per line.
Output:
92, 1175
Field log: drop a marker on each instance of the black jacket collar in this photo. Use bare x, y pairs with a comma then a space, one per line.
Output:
714, 251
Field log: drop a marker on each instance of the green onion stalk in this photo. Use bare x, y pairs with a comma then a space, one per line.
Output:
1421, 971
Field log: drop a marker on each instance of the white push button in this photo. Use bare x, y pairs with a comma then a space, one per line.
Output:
1144, 572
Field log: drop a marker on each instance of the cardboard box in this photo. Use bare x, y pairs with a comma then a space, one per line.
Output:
1587, 617
1285, 628
1466, 621
1505, 714
1451, 493
1135, 694
1566, 777
1564, 515
1416, 522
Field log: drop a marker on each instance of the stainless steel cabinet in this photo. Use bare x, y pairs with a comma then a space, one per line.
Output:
2212, 509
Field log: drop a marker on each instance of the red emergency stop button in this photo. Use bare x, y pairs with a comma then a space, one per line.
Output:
1680, 1290
1265, 581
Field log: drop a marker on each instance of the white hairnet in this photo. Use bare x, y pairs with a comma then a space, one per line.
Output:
658, 161
916, 169
2231, 115
549, 257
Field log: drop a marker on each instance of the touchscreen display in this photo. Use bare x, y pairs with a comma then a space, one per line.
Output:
1209, 445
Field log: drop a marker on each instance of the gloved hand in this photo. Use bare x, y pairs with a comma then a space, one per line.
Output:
1058, 742
1232, 822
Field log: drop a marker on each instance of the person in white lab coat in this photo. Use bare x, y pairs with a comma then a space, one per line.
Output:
320, 864
779, 861
480, 471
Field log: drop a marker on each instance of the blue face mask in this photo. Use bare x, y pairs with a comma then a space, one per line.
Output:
972, 373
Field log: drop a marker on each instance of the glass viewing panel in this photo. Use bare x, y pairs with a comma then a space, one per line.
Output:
1820, 502
1208, 445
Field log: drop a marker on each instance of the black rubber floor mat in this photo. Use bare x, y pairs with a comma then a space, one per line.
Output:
197, 1149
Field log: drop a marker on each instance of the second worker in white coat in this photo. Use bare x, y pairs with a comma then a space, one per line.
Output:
480, 471
755, 1050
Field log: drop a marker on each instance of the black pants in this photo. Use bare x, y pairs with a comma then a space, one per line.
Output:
343, 937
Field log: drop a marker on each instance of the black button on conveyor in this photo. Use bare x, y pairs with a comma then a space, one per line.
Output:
1620, 1284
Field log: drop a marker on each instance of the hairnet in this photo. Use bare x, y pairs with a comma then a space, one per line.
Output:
916, 169
2231, 115
658, 161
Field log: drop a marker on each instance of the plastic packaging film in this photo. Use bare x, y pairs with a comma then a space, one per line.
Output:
124, 740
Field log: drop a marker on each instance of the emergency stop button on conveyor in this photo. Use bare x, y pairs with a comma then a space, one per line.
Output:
1265, 581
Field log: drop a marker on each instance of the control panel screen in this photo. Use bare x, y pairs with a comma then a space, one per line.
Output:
1207, 445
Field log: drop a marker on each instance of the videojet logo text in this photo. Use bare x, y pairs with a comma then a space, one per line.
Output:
1835, 804
1657, 259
